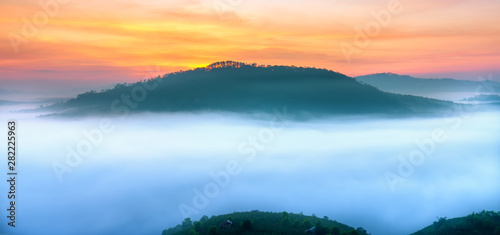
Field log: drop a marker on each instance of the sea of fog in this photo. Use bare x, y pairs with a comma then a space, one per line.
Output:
141, 174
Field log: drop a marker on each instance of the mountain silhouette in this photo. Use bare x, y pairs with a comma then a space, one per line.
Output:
243, 88
444, 88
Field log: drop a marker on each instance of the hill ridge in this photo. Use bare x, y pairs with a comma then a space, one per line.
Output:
247, 88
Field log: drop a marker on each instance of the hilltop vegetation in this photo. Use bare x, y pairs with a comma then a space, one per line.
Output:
483, 223
243, 88
256, 222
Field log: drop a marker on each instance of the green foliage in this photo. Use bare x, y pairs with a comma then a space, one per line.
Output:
307, 224
285, 221
187, 223
485, 222
212, 230
296, 223
197, 226
320, 229
361, 230
192, 232
246, 226
256, 222
335, 230
354, 232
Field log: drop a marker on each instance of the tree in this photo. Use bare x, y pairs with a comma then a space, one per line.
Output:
197, 226
296, 223
361, 230
335, 230
440, 222
320, 229
212, 230
192, 232
246, 225
285, 221
307, 223
187, 223
497, 231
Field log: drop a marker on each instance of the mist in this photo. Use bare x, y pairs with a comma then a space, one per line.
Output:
148, 172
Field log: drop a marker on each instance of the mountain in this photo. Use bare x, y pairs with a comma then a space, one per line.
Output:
445, 88
483, 98
242, 88
256, 222
485, 222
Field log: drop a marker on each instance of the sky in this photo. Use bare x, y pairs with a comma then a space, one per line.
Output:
77, 45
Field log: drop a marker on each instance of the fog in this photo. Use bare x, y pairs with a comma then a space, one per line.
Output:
135, 178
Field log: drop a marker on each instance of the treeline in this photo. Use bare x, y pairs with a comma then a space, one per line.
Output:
256, 222
485, 222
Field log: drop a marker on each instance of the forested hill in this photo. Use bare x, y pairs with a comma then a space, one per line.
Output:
256, 222
483, 223
243, 88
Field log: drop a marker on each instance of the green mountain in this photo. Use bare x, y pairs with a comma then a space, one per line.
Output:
483, 223
256, 222
242, 88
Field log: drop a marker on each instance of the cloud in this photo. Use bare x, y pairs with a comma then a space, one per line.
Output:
332, 167
427, 37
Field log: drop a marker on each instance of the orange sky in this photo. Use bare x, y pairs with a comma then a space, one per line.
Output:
113, 41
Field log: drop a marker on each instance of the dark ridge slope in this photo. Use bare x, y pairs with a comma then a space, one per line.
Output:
241, 88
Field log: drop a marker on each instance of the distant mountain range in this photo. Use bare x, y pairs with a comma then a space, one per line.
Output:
483, 98
445, 88
242, 88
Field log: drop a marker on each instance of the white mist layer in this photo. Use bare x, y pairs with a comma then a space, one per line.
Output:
135, 179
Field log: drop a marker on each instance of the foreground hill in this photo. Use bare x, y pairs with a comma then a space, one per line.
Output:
434, 88
256, 222
242, 88
484, 223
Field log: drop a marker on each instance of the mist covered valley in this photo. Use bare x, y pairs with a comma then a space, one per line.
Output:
142, 173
